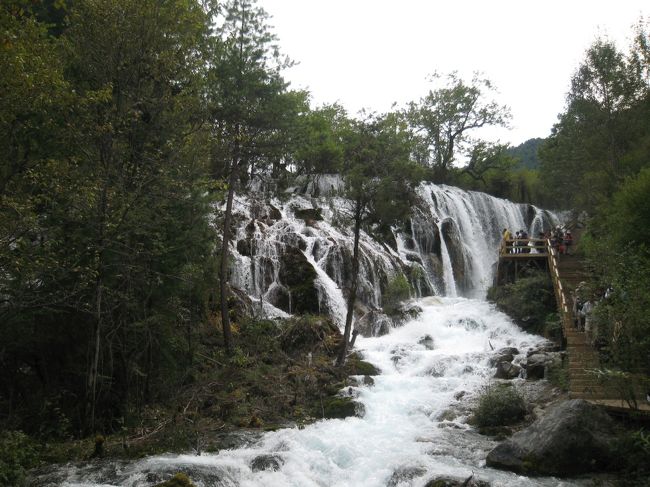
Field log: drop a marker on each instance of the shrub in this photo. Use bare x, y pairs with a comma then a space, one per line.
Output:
397, 290
528, 301
634, 453
499, 405
18, 453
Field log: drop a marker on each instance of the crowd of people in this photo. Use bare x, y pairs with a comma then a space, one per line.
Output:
560, 239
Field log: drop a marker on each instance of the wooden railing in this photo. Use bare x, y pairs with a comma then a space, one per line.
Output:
508, 247
566, 312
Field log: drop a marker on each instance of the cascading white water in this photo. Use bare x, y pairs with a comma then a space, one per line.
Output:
413, 429
452, 238
414, 426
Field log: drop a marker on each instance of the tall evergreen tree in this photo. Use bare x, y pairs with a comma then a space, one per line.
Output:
249, 107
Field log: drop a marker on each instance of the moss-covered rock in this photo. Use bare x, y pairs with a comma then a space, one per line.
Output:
361, 367
309, 214
529, 301
341, 407
178, 480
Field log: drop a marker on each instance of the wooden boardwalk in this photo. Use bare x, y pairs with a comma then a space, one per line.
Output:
567, 272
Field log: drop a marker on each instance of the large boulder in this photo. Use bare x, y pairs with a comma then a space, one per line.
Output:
507, 370
298, 276
537, 364
572, 438
506, 354
373, 324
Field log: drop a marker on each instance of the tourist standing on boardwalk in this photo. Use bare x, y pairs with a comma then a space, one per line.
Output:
507, 236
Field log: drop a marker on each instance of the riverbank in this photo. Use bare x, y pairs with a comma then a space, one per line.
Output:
281, 375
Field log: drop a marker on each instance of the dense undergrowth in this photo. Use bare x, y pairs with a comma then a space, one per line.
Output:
282, 373
530, 302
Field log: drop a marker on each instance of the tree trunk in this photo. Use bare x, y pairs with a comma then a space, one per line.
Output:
352, 297
223, 274
93, 374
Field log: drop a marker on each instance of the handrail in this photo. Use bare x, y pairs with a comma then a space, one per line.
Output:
515, 244
560, 296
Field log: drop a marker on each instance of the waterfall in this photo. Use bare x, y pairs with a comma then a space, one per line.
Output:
292, 255
450, 244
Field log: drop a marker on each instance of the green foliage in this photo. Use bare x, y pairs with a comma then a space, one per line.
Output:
526, 153
446, 118
339, 407
633, 451
602, 136
318, 149
499, 405
397, 290
106, 242
18, 453
558, 375
616, 247
528, 301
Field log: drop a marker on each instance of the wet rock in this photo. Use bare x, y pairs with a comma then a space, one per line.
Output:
455, 248
459, 395
373, 324
427, 342
274, 213
266, 462
368, 381
456, 482
537, 364
405, 474
342, 407
178, 480
469, 324
507, 370
406, 312
572, 438
244, 247
307, 214
298, 276
506, 354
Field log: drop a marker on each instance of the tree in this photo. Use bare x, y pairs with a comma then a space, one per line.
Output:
591, 148
249, 105
318, 149
447, 117
106, 160
379, 182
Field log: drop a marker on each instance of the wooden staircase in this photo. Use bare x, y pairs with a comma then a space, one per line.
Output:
567, 272
583, 357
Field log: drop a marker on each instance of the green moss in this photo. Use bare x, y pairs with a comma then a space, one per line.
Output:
339, 407
178, 480
397, 290
361, 367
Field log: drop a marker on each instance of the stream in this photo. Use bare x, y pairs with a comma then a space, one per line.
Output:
413, 430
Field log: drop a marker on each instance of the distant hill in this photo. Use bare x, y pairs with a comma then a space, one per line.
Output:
526, 153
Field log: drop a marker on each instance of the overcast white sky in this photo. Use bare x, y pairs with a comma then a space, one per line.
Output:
371, 53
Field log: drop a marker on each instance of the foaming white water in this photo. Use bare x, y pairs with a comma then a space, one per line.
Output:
413, 422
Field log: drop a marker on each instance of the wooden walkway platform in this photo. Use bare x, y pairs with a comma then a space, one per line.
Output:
567, 272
